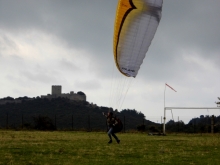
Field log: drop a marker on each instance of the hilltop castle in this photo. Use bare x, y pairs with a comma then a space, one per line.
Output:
57, 92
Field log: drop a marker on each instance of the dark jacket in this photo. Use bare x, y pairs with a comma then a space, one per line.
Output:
111, 121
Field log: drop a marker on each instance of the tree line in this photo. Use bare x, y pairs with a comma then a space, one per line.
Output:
64, 114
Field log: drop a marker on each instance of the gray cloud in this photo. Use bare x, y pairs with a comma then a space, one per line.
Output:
68, 66
88, 85
78, 24
194, 24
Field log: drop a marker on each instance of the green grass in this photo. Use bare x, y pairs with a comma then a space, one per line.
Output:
72, 148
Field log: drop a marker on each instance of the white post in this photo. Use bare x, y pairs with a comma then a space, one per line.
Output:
164, 117
164, 121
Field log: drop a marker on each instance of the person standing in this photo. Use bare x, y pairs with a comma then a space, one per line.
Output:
111, 126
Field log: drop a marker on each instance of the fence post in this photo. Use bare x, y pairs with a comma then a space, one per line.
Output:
89, 123
7, 120
124, 124
22, 121
178, 125
195, 125
207, 125
212, 124
55, 122
72, 122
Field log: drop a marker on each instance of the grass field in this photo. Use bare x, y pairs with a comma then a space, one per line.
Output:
72, 148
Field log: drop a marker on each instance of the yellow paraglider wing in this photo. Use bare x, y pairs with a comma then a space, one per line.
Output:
135, 26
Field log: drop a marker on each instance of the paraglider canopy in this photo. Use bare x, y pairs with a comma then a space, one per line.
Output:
135, 25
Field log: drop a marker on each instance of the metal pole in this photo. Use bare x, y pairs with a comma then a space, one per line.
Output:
22, 121
212, 124
89, 122
195, 125
7, 120
172, 114
124, 124
178, 125
55, 122
72, 122
164, 118
164, 121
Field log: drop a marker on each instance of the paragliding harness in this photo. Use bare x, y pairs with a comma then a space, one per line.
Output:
118, 127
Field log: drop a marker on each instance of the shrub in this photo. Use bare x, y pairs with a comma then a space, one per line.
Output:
43, 123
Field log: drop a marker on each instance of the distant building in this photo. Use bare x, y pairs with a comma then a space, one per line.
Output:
57, 92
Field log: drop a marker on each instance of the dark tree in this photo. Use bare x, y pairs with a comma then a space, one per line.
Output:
80, 93
8, 98
43, 123
141, 128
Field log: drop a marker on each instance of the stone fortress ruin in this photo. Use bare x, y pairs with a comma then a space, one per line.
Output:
57, 92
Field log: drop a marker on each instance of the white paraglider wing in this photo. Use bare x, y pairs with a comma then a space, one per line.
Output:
136, 23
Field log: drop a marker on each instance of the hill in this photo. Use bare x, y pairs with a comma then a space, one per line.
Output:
62, 113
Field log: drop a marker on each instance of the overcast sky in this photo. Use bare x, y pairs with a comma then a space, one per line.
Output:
70, 43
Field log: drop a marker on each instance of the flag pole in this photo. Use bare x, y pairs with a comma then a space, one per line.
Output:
164, 118
165, 108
